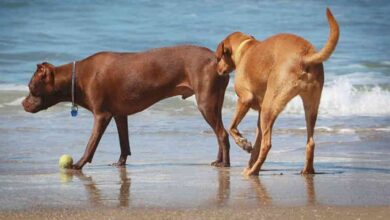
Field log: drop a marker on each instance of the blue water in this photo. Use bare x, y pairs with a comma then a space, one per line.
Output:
62, 31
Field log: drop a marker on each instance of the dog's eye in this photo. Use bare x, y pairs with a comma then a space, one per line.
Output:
226, 52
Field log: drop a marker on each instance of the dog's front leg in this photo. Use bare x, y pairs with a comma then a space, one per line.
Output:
241, 110
101, 121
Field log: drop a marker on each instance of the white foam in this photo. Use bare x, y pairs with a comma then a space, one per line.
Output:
323, 128
282, 151
382, 129
386, 62
190, 99
13, 87
341, 98
15, 102
357, 78
333, 159
346, 131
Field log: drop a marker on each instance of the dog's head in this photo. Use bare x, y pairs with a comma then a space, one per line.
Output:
41, 88
225, 51
224, 57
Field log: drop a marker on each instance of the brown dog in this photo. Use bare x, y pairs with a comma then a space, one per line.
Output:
269, 74
120, 84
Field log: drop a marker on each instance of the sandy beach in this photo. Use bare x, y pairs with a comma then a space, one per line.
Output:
195, 191
319, 212
208, 194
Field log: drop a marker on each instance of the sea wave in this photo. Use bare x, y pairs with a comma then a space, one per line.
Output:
13, 87
386, 129
340, 97
16, 102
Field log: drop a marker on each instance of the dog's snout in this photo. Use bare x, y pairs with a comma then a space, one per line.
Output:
32, 104
24, 103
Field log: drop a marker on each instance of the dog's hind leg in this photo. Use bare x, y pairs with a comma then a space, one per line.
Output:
256, 146
274, 102
210, 101
311, 103
121, 124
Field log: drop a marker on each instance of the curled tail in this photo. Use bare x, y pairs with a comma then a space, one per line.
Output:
330, 45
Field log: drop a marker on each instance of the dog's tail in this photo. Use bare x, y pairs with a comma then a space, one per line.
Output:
330, 45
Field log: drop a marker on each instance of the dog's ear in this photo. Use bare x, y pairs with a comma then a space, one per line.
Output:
252, 37
219, 52
227, 51
46, 72
40, 67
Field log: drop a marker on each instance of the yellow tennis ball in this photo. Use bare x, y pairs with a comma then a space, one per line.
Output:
66, 161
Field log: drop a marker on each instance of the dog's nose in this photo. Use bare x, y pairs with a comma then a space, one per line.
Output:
24, 103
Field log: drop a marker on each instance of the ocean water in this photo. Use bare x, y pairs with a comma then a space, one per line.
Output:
353, 127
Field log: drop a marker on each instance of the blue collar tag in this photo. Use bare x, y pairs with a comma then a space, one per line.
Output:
74, 111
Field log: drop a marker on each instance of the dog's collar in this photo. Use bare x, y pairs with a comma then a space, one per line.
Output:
74, 108
237, 54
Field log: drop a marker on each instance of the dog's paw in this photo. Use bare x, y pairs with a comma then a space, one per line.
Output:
245, 144
249, 172
220, 164
119, 164
306, 171
245, 171
76, 166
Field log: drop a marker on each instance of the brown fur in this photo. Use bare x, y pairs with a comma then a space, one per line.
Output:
269, 74
114, 85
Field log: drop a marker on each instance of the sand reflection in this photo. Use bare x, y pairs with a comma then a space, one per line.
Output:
231, 190
95, 195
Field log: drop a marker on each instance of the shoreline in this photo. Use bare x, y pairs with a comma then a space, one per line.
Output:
266, 212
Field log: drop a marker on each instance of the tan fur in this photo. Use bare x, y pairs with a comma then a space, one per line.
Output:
329, 47
269, 74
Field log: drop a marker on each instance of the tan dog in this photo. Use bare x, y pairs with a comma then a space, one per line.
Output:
269, 74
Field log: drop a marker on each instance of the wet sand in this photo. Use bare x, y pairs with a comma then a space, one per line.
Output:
194, 191
318, 212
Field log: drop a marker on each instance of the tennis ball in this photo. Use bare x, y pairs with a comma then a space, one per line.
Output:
65, 162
